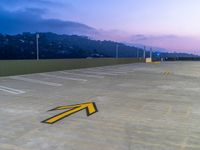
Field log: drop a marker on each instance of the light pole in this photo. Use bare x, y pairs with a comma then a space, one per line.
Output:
137, 53
37, 45
144, 54
117, 51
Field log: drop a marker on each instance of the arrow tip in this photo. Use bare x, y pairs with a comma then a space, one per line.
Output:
95, 109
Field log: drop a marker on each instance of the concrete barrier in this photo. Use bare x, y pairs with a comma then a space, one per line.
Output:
18, 67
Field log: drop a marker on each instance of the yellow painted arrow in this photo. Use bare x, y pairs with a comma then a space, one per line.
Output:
90, 109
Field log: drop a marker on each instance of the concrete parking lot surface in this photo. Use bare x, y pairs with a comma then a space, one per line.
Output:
140, 107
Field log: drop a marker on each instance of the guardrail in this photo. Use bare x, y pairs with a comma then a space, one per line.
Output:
18, 67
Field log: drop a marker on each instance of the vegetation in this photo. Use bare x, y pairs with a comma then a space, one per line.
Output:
54, 46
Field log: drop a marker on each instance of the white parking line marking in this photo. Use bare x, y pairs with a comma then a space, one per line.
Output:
114, 71
35, 81
60, 77
100, 73
11, 90
86, 75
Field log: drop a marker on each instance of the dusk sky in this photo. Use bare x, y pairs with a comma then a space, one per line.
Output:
171, 24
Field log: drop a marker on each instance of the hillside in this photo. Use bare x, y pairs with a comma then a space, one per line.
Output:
23, 46
54, 46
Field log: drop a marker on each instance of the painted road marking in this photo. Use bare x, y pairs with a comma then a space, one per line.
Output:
60, 77
167, 73
117, 72
100, 73
155, 62
86, 75
90, 109
11, 90
110, 71
35, 81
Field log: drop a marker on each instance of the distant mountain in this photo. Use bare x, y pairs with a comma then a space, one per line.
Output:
51, 45
56, 26
66, 27
30, 20
54, 46
148, 48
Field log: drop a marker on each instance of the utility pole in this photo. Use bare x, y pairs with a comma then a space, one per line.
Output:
37, 45
144, 54
117, 51
137, 52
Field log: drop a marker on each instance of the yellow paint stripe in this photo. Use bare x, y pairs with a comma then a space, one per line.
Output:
70, 106
62, 115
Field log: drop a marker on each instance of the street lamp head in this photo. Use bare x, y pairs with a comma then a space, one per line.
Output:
37, 36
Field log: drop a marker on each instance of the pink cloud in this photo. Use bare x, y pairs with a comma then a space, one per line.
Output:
170, 42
